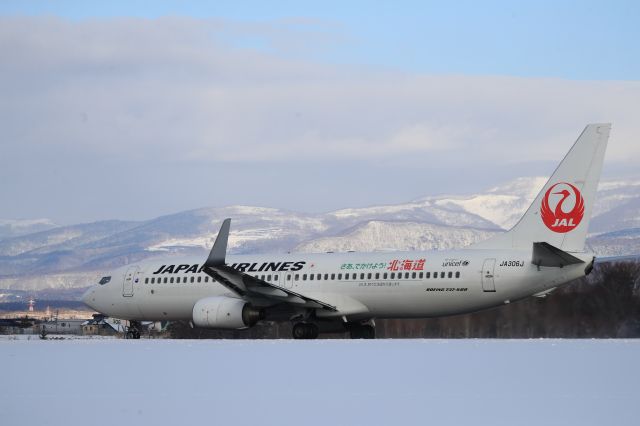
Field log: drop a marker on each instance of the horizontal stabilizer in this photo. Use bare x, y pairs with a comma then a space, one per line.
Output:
613, 259
544, 254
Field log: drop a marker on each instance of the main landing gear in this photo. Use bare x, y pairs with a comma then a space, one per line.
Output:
133, 331
356, 330
361, 331
305, 330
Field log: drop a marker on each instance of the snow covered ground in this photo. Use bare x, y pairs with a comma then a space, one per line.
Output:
328, 382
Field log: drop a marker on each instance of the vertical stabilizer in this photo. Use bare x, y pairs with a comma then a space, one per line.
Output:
560, 213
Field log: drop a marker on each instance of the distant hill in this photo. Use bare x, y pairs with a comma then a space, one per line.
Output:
15, 227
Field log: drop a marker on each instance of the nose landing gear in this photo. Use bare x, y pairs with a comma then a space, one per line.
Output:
133, 331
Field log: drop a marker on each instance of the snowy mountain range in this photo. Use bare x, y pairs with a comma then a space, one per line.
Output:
38, 254
16, 228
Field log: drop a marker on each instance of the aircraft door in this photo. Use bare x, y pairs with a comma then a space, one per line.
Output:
287, 279
129, 278
488, 283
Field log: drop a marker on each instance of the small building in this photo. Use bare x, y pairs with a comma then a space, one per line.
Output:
62, 326
100, 325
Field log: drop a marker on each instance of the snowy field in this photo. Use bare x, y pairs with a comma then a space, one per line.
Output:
328, 382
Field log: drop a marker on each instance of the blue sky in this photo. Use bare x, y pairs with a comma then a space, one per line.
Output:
131, 110
567, 39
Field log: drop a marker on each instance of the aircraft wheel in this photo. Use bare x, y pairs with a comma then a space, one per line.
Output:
304, 330
133, 331
362, 332
368, 332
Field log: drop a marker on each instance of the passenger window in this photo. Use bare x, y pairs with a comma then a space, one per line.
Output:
428, 274
262, 277
192, 279
420, 275
450, 274
304, 277
377, 275
185, 280
413, 275
406, 275
268, 277
333, 276
206, 279
339, 276
384, 275
393, 275
441, 274
435, 275
288, 277
311, 276
458, 274
171, 280
275, 278
297, 277
326, 277
199, 279
146, 280
369, 276
320, 277
362, 276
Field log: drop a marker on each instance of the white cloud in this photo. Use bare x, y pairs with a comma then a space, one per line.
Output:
170, 84
182, 89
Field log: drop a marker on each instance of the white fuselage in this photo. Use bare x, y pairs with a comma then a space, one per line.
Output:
360, 285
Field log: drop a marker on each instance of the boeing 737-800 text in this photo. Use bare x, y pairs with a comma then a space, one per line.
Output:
347, 291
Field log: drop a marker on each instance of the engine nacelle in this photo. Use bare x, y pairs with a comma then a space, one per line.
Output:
225, 312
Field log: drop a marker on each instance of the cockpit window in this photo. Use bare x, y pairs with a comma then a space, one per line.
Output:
104, 280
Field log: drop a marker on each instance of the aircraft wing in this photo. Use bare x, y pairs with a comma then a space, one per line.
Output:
248, 286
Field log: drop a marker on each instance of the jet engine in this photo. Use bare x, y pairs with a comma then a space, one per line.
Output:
225, 312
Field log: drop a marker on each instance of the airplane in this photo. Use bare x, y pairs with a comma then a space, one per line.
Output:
347, 292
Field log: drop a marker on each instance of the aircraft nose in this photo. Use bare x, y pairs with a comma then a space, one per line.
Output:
88, 297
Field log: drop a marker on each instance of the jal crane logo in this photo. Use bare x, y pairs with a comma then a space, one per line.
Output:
563, 217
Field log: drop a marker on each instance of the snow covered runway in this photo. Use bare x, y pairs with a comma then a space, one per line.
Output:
337, 382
